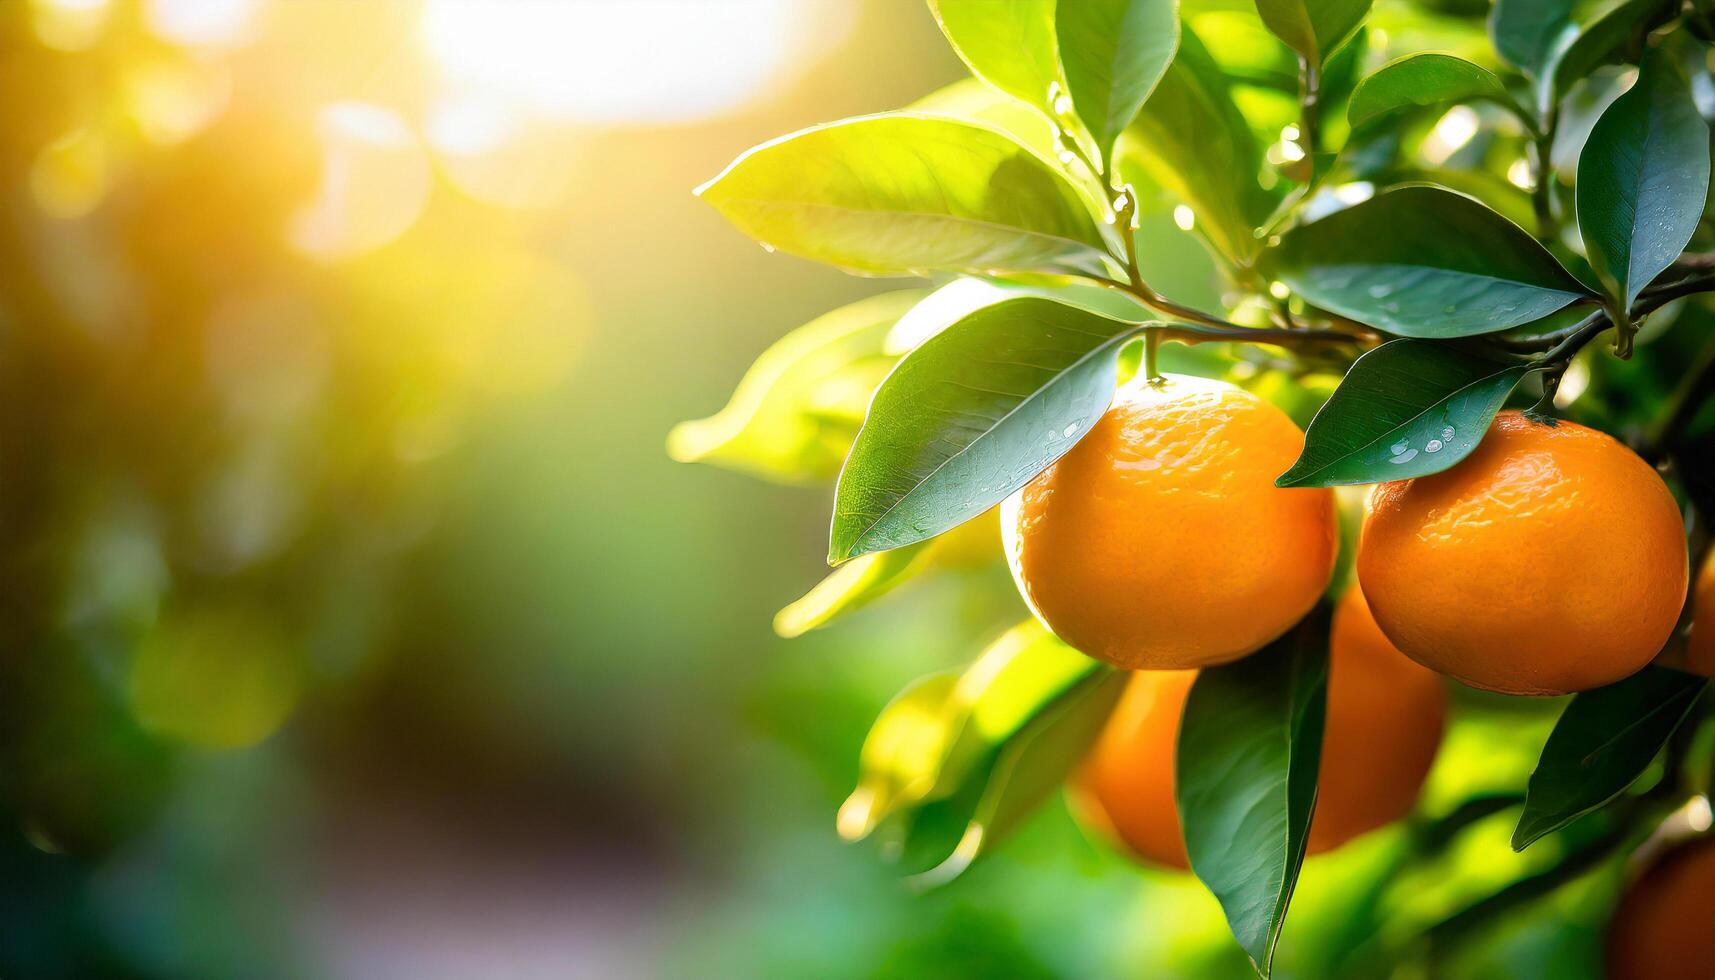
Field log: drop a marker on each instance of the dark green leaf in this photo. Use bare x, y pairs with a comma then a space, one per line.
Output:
1583, 51
1420, 80
1313, 28
1113, 53
970, 416
1408, 408
1528, 32
1602, 743
791, 418
1249, 748
1010, 45
1191, 139
900, 194
1643, 177
1425, 262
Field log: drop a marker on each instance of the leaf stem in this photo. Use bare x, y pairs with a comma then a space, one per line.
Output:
1200, 327
1310, 111
1542, 171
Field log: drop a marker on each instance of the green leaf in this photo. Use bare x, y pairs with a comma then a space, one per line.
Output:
899, 194
948, 771
1643, 177
1425, 262
1009, 45
790, 418
902, 755
962, 297
1250, 746
970, 416
1421, 80
1191, 139
1581, 52
972, 100
1604, 740
1528, 32
851, 587
1408, 408
1113, 53
1313, 28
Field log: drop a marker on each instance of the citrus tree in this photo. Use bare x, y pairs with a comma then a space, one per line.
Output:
1459, 256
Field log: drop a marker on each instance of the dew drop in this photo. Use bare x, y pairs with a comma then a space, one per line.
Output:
1432, 446
1399, 447
1447, 432
1068, 430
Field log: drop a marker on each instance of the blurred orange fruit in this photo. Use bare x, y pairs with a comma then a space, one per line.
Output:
1160, 540
1664, 926
1384, 723
1700, 645
1550, 560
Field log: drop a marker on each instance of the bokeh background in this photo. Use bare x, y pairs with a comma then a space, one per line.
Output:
354, 621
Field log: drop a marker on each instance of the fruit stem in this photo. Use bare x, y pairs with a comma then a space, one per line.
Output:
1151, 344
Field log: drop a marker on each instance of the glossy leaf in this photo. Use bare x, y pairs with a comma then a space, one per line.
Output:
790, 418
1604, 741
962, 297
947, 772
900, 194
1009, 45
1529, 32
1643, 178
851, 587
1249, 749
1586, 48
972, 100
1113, 53
1425, 262
1191, 139
1313, 28
1422, 80
1408, 408
969, 417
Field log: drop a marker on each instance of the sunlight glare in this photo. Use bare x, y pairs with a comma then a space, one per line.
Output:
375, 181
642, 61
202, 23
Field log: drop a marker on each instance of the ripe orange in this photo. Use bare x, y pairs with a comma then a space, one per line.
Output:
1664, 926
1384, 722
1700, 645
1550, 560
1160, 540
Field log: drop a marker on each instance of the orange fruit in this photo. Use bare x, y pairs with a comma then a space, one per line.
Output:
1550, 560
1700, 645
1160, 540
1664, 926
1384, 723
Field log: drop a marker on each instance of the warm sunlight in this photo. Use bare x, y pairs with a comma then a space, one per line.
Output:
639, 62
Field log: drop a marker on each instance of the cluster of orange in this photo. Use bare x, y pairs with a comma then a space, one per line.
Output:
1553, 559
